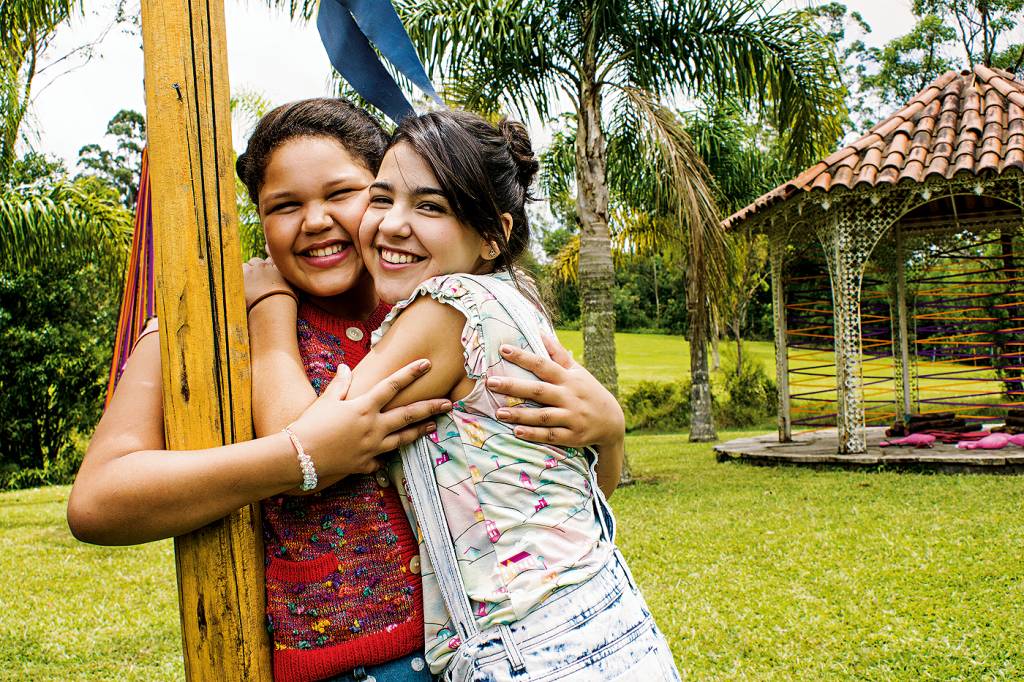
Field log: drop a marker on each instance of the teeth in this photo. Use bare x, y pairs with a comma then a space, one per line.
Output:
396, 258
327, 251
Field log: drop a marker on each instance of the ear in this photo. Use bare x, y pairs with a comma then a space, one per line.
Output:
491, 250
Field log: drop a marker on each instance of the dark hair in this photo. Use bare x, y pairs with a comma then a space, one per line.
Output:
331, 117
484, 171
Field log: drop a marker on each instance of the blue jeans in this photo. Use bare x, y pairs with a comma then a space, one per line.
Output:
600, 630
411, 668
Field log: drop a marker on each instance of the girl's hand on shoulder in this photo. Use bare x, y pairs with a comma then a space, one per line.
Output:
262, 278
346, 436
577, 410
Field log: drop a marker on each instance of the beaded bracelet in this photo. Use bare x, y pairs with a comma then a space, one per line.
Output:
305, 462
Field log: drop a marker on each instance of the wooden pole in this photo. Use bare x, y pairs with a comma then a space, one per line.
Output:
204, 339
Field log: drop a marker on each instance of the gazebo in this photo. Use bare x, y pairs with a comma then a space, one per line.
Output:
917, 223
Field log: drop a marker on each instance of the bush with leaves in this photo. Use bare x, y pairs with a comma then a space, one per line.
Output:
751, 397
658, 405
56, 331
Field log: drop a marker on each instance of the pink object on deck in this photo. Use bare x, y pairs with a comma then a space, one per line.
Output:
915, 440
994, 441
1017, 439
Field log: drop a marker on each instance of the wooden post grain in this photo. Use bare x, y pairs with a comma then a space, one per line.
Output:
204, 340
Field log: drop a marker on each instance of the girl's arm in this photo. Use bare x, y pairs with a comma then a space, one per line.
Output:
580, 411
280, 387
409, 338
130, 489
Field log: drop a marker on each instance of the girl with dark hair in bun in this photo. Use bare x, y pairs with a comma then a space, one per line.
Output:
344, 596
521, 577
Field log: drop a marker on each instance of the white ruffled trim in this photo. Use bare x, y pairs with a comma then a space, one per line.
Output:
437, 287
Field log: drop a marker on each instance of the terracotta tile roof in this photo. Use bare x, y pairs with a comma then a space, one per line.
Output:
964, 122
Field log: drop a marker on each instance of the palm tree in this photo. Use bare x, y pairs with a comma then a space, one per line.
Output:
614, 63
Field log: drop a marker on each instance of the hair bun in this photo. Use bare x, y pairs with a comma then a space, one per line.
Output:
518, 140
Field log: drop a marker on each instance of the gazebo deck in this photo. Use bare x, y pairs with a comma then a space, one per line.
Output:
819, 449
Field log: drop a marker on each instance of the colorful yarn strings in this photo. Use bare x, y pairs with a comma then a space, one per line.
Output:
138, 300
811, 347
966, 325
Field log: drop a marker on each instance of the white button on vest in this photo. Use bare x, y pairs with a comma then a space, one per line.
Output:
382, 478
414, 565
418, 664
354, 333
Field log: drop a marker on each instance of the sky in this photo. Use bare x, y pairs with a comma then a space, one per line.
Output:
267, 53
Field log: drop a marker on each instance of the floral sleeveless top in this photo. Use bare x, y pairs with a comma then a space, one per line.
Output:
521, 514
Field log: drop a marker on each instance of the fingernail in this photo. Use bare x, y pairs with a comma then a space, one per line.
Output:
506, 349
502, 414
446, 406
519, 432
431, 427
493, 382
423, 366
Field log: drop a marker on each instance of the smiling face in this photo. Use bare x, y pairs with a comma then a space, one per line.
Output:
312, 199
409, 232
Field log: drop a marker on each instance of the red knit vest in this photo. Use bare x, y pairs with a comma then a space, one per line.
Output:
339, 590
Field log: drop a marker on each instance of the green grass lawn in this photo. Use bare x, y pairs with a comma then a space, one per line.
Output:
753, 574
660, 357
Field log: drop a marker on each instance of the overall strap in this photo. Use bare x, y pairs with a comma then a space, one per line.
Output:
426, 502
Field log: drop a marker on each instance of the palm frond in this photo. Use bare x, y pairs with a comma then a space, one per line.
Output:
18, 17
566, 262
494, 54
248, 106
66, 221
676, 184
778, 61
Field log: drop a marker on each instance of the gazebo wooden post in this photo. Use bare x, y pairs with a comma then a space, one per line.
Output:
203, 334
776, 253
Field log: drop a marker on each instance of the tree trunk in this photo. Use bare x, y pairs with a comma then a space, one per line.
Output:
702, 426
735, 326
596, 272
657, 301
716, 357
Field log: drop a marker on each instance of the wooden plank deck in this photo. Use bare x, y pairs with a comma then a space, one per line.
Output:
820, 449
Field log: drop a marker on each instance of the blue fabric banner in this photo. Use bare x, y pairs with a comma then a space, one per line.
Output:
347, 28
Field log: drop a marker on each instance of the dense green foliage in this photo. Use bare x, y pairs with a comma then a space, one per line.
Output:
56, 331
753, 574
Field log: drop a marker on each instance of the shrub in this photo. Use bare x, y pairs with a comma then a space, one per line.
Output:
660, 405
56, 335
751, 397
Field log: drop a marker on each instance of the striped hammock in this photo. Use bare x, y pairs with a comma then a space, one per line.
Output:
138, 301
